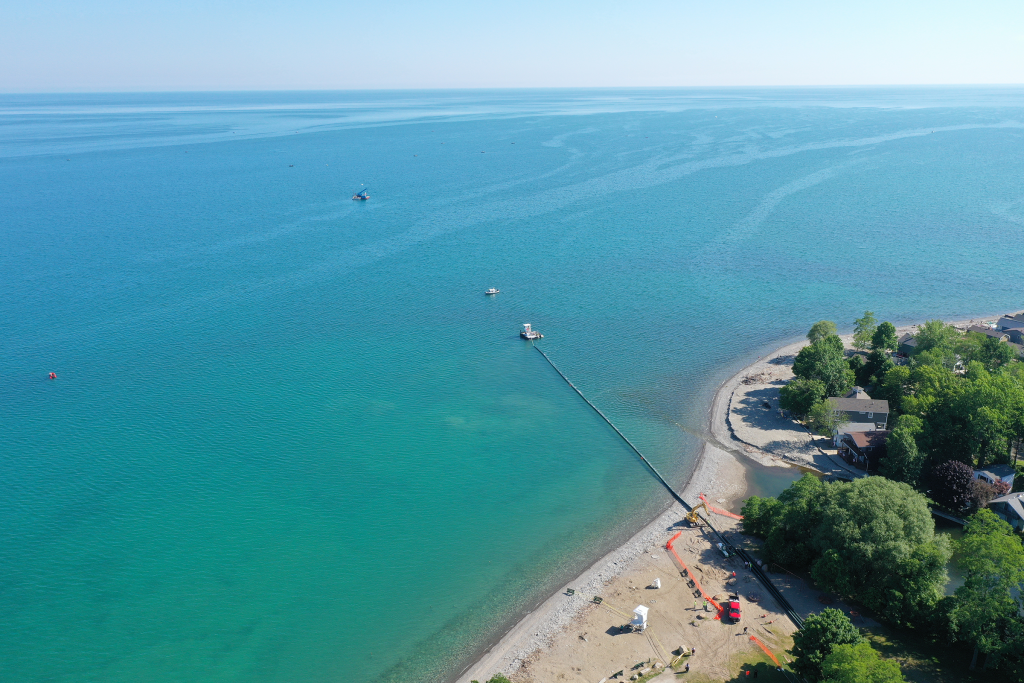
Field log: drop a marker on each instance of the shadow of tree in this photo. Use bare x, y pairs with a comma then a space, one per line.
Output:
761, 671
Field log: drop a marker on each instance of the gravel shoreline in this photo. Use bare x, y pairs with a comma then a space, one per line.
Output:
720, 472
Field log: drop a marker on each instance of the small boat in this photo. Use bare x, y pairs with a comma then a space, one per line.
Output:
529, 333
361, 195
492, 290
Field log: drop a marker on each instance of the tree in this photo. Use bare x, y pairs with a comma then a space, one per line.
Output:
878, 364
982, 494
817, 639
992, 353
992, 561
873, 539
857, 364
884, 338
496, 678
821, 329
859, 663
951, 484
903, 460
935, 334
800, 395
825, 360
758, 515
824, 420
864, 330
876, 542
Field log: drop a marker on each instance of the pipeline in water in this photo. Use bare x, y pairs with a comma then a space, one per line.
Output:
757, 571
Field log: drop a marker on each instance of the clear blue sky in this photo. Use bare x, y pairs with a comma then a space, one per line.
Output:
55, 45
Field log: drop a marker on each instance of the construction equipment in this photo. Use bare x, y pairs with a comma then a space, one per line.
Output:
692, 517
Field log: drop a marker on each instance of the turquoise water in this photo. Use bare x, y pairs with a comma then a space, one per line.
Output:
290, 439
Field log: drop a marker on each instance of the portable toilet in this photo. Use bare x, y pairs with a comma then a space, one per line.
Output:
639, 622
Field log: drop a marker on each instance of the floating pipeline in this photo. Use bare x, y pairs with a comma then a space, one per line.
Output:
719, 511
636, 450
757, 571
719, 610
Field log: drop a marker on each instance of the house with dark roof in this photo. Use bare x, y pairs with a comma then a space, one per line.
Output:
989, 332
869, 410
907, 345
864, 450
996, 473
1011, 320
1009, 508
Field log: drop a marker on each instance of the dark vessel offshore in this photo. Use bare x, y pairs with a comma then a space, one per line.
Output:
361, 195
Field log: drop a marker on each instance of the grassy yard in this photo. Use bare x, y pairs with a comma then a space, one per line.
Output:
927, 661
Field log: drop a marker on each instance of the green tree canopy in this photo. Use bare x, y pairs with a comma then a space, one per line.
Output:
991, 558
864, 330
859, 663
884, 338
825, 360
824, 420
936, 334
903, 460
800, 395
817, 639
821, 329
873, 539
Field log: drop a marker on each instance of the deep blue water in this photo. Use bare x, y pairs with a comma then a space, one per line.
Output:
291, 439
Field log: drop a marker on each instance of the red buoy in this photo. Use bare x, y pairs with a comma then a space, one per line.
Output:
53, 375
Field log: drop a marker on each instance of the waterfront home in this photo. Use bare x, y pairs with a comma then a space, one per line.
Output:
868, 410
1010, 321
864, 449
1009, 508
840, 432
988, 332
996, 473
907, 345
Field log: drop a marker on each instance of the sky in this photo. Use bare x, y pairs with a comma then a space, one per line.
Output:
155, 45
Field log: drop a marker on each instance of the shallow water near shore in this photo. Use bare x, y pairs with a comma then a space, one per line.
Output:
290, 437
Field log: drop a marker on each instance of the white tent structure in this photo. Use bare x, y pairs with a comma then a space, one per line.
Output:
639, 622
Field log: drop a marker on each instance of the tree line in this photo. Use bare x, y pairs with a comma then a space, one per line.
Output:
956, 404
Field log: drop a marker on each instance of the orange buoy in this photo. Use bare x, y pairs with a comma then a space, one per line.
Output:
53, 375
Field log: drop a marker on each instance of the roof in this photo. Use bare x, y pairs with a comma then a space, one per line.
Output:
998, 471
986, 331
857, 392
1015, 501
908, 339
1007, 322
859, 405
870, 439
851, 427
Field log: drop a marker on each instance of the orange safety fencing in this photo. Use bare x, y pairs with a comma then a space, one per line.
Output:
719, 511
766, 650
718, 608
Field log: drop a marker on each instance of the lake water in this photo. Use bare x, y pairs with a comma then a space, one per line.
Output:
291, 439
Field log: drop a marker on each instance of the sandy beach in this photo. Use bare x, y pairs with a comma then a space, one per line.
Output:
570, 638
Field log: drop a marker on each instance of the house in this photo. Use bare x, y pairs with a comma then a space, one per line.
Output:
1010, 321
995, 334
842, 430
864, 449
1009, 508
996, 473
907, 345
1016, 334
861, 410
857, 392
